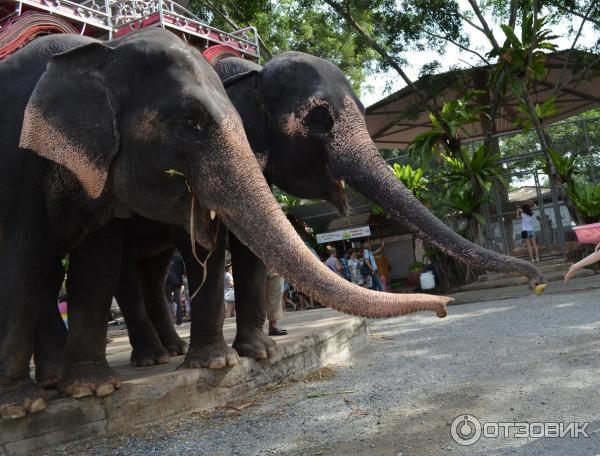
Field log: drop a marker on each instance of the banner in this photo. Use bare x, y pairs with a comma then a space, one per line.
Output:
351, 233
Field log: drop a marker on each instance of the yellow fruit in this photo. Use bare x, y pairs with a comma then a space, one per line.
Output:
539, 289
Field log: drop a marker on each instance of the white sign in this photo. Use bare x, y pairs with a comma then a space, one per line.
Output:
351, 233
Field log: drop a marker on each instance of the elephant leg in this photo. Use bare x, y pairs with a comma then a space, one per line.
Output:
250, 279
24, 266
50, 333
147, 350
153, 273
94, 268
207, 343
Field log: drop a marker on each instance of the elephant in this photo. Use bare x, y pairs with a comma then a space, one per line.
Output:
96, 131
309, 137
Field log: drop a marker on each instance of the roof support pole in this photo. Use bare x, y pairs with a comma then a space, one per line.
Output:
589, 149
558, 217
500, 217
548, 237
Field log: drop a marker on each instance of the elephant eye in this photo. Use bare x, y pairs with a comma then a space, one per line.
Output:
192, 123
319, 120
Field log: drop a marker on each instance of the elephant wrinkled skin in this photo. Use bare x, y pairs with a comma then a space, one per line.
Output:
309, 136
99, 130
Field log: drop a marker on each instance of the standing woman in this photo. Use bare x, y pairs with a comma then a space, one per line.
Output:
526, 215
229, 293
353, 266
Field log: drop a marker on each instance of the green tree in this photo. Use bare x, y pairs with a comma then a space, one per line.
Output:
290, 25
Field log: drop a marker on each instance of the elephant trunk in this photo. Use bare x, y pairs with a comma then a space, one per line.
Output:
353, 156
247, 206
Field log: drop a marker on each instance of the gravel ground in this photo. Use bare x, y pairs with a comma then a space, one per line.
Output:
531, 359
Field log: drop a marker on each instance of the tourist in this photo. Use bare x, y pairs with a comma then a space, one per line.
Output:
353, 266
185, 297
304, 301
173, 286
372, 264
274, 309
345, 269
527, 234
590, 259
229, 293
333, 263
287, 296
384, 268
364, 271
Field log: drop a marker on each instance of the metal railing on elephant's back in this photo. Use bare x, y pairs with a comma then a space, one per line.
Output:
24, 20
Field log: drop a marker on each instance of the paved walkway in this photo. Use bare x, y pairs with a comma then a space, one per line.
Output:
517, 291
150, 394
528, 359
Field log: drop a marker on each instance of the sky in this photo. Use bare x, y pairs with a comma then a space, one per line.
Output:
453, 56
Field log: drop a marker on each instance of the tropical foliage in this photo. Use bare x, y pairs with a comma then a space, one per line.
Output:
413, 179
586, 197
444, 139
286, 201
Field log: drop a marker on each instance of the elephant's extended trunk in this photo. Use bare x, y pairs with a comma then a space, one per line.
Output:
354, 157
251, 212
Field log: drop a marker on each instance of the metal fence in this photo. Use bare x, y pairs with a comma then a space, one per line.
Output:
527, 182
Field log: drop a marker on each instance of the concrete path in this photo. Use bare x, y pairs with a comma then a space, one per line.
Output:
529, 359
316, 338
587, 282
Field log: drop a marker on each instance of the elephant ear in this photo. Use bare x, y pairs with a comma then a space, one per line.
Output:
235, 69
70, 118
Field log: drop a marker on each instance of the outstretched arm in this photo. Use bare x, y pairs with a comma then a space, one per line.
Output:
590, 259
376, 252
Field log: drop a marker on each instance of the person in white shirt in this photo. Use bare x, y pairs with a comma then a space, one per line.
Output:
229, 293
527, 233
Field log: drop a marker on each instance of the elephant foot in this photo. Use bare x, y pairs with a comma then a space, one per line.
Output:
177, 347
18, 398
144, 357
217, 355
89, 378
174, 344
48, 374
255, 344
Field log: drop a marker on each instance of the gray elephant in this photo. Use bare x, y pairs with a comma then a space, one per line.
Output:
94, 131
307, 130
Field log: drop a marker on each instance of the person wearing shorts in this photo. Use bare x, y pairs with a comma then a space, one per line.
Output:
525, 213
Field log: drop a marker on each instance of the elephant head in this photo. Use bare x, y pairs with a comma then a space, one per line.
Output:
144, 123
308, 130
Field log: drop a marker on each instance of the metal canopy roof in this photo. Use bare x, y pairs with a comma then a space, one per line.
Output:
395, 121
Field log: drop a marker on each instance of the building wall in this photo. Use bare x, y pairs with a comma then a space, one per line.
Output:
400, 254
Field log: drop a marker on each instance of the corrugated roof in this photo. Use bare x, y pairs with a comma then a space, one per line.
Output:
525, 194
396, 120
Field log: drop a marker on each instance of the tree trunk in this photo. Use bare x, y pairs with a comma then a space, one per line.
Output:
546, 144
